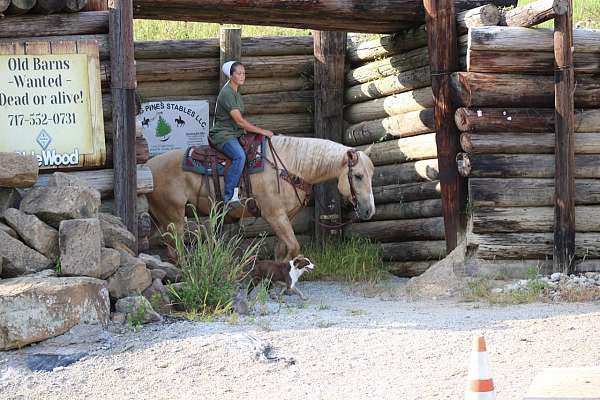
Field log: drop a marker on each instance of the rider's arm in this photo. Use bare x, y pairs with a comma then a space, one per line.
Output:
237, 117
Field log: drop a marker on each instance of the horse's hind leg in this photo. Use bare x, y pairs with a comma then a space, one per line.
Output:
283, 229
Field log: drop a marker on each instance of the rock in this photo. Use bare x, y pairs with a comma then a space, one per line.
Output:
53, 204
33, 309
115, 232
9, 198
157, 273
158, 296
138, 309
64, 179
46, 273
118, 318
20, 259
48, 362
10, 231
80, 248
129, 280
18, 171
153, 262
110, 259
240, 302
34, 232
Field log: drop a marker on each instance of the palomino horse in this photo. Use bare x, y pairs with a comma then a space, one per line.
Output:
313, 160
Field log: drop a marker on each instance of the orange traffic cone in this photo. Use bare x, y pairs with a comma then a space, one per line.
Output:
480, 385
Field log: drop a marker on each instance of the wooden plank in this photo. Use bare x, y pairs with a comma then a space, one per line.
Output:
407, 192
525, 143
395, 174
103, 180
396, 104
123, 97
401, 230
422, 250
443, 59
534, 13
405, 149
538, 62
87, 23
230, 49
330, 54
575, 383
405, 210
564, 177
102, 40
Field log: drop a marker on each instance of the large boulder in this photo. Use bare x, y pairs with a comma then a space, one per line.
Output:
138, 309
80, 247
109, 262
34, 309
115, 233
34, 232
131, 279
17, 170
173, 274
9, 230
9, 198
20, 259
53, 204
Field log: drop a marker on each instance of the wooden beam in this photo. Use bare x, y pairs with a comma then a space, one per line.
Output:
330, 54
534, 13
443, 59
230, 49
85, 23
564, 178
123, 115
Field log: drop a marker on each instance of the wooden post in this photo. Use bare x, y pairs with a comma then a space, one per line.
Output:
443, 59
230, 44
330, 51
564, 196
96, 5
123, 114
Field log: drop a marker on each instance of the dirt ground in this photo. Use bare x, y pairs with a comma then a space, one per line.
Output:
338, 344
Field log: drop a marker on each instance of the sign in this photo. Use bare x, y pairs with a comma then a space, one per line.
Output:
169, 125
50, 105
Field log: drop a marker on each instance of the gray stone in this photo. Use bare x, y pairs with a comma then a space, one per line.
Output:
53, 204
154, 262
118, 318
80, 247
65, 179
20, 259
48, 362
34, 232
133, 307
33, 309
157, 274
158, 296
17, 171
129, 280
115, 232
109, 262
9, 198
9, 230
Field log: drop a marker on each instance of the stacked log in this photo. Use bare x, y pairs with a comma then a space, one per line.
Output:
509, 152
389, 111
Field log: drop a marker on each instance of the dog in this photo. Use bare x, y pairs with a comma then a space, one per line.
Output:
285, 274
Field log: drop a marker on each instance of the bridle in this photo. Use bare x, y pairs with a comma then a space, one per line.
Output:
352, 161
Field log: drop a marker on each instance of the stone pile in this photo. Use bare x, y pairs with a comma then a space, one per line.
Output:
560, 287
62, 261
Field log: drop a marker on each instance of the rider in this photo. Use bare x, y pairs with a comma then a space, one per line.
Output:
229, 125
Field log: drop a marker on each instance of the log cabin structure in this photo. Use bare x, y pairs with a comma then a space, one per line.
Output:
455, 104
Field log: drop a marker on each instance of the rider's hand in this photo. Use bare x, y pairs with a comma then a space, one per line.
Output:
267, 133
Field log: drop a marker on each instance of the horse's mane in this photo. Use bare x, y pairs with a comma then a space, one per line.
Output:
309, 156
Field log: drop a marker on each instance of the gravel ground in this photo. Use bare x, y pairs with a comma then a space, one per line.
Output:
339, 344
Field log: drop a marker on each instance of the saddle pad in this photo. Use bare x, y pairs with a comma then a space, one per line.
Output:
255, 162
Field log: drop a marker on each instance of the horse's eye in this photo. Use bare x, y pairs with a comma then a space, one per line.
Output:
358, 177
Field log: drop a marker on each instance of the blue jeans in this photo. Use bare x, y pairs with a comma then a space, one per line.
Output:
233, 150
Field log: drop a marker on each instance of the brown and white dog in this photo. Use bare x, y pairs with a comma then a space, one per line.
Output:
285, 274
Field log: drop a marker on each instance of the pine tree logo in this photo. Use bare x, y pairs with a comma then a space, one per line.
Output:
163, 129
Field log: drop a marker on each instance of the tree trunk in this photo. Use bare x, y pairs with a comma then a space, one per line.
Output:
510, 90
539, 62
402, 150
524, 143
403, 82
142, 151
398, 230
499, 38
530, 245
103, 180
405, 210
432, 250
407, 192
402, 125
520, 120
395, 174
527, 192
530, 219
486, 15
534, 13
85, 23
402, 103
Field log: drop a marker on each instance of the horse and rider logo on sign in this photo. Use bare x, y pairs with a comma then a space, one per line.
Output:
169, 125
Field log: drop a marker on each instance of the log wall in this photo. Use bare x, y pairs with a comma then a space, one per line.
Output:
508, 138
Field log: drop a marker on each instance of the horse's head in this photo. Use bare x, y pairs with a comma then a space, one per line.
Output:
354, 183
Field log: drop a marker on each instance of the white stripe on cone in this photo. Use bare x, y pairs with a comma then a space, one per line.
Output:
480, 396
479, 370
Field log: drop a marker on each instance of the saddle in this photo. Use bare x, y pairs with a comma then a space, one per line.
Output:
209, 161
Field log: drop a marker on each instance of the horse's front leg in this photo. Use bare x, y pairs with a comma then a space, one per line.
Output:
285, 233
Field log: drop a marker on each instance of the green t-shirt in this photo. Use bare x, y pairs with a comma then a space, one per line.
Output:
225, 127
